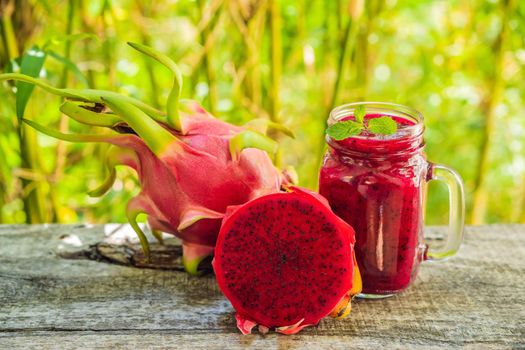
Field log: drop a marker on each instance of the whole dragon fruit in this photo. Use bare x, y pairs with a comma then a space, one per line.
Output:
191, 166
285, 261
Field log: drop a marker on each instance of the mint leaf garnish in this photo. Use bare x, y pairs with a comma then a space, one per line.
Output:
382, 125
359, 114
342, 130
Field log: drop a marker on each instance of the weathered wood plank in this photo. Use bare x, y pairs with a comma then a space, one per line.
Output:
474, 300
199, 340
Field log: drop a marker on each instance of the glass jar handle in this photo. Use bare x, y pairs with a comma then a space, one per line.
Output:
456, 209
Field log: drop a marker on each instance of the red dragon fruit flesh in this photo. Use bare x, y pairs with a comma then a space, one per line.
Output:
285, 261
191, 166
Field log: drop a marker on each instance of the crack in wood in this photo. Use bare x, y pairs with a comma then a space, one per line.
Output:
165, 256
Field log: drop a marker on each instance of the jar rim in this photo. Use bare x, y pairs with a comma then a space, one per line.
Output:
387, 108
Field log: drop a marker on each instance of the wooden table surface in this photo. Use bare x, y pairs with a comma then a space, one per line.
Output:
476, 300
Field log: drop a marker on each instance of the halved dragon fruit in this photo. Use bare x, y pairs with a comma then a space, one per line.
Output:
191, 166
285, 261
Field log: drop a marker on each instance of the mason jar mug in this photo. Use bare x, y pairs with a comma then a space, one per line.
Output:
377, 183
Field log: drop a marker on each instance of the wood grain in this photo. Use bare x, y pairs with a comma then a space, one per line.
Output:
475, 300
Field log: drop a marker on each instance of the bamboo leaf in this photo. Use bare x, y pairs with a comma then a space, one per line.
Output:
60, 39
32, 63
70, 66
12, 65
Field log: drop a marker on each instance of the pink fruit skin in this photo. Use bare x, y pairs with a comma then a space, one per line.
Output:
248, 318
187, 192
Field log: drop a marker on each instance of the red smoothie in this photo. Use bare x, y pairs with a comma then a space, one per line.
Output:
376, 183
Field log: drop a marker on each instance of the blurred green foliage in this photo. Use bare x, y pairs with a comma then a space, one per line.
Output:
460, 62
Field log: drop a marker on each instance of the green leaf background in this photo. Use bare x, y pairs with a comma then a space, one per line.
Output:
461, 63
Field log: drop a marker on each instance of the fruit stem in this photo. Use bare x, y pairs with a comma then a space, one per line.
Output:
158, 236
106, 185
85, 95
96, 96
251, 139
72, 137
53, 90
76, 111
192, 255
132, 212
176, 90
262, 125
154, 135
115, 156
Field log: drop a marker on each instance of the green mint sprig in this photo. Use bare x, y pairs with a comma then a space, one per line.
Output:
381, 126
